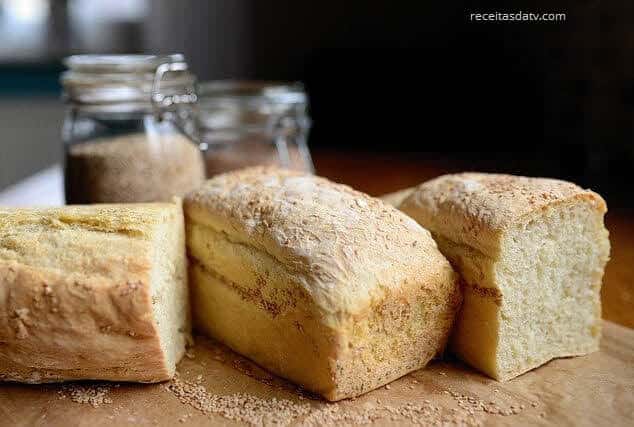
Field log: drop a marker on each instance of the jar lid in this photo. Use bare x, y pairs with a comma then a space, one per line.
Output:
122, 79
235, 103
250, 91
119, 63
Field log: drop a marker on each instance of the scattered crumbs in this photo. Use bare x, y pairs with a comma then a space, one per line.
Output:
239, 407
459, 409
472, 405
184, 418
94, 395
257, 411
332, 414
423, 414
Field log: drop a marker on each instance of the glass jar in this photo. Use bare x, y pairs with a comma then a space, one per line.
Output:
243, 123
129, 131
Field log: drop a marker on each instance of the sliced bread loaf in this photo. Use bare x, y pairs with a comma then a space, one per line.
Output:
92, 292
532, 253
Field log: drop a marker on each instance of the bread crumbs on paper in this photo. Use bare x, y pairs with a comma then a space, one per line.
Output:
184, 418
465, 410
239, 407
94, 395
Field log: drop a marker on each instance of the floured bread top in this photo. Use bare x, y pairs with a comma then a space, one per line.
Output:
474, 208
344, 247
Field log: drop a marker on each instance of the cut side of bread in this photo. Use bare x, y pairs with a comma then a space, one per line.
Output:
532, 253
316, 282
92, 292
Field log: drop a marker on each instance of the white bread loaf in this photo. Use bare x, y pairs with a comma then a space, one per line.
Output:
92, 292
532, 253
316, 282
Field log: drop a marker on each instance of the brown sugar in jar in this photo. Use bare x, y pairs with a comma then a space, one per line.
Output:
132, 168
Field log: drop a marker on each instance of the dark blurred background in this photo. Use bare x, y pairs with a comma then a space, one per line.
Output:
407, 82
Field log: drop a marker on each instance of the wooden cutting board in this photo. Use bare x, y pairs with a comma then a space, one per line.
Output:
593, 390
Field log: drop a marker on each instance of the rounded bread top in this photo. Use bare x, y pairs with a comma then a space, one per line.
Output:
345, 248
475, 208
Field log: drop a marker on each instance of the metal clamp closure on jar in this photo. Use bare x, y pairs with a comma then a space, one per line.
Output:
161, 101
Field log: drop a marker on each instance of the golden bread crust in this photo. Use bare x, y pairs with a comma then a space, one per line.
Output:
76, 293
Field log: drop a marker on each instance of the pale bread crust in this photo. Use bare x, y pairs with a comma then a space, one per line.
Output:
341, 259
75, 293
474, 209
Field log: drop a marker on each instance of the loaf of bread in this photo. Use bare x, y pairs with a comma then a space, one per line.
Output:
532, 253
92, 292
316, 282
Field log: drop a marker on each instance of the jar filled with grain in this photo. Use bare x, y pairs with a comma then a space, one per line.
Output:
246, 123
129, 133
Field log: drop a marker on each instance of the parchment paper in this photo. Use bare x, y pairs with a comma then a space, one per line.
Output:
592, 390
